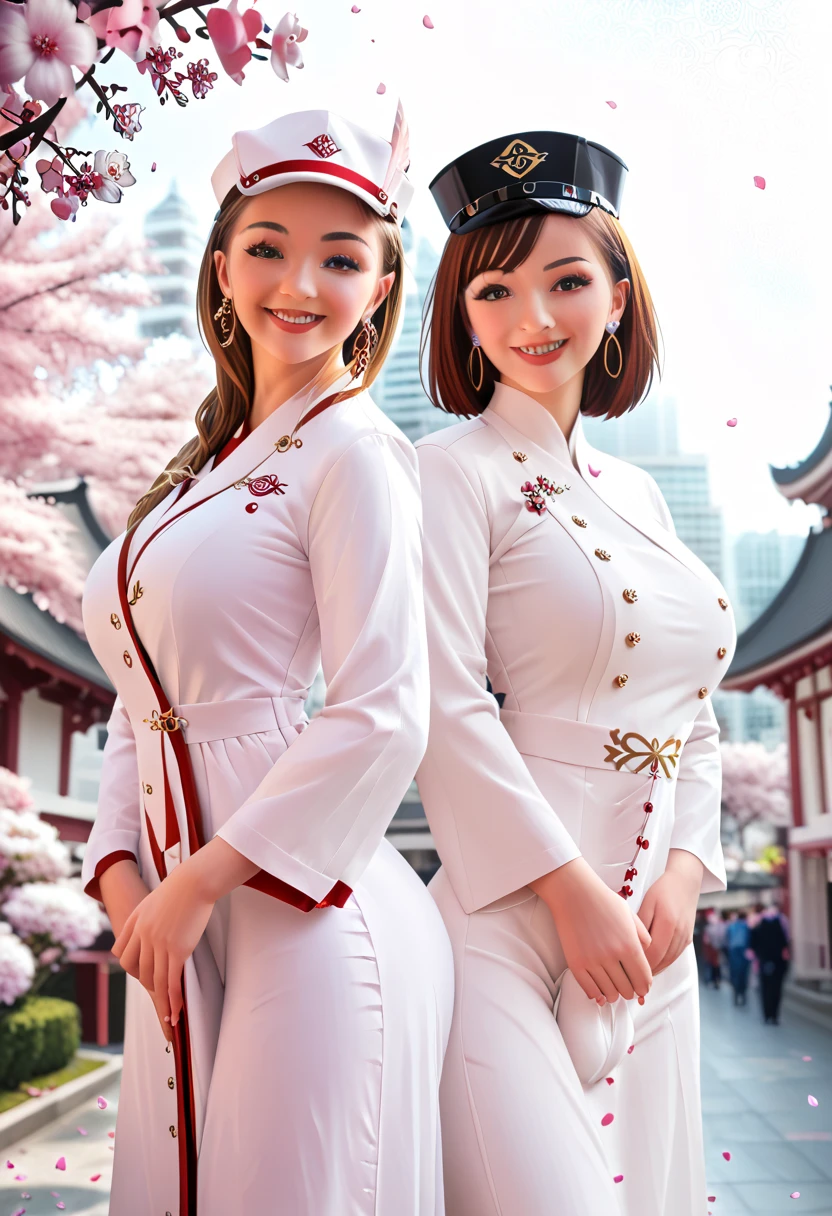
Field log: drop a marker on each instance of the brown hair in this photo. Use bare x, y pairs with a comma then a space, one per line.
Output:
504, 246
227, 405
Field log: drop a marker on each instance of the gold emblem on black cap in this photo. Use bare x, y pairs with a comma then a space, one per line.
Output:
519, 158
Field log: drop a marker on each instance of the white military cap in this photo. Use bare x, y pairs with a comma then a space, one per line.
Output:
320, 146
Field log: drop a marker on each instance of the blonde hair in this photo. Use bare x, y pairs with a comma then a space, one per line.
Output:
227, 405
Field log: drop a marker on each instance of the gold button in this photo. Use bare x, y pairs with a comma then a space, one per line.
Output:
703, 692
127, 658
721, 653
630, 595
148, 789
621, 680
520, 456
576, 519
632, 639
114, 620
170, 1082
172, 1131
602, 553
722, 603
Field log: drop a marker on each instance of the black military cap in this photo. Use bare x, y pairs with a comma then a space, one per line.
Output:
518, 174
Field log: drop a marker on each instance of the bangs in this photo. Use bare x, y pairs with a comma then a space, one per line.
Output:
503, 246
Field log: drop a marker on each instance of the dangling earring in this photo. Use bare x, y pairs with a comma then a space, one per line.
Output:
611, 327
222, 314
476, 346
363, 348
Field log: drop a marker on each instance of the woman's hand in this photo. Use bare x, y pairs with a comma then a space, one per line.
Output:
668, 909
160, 935
604, 944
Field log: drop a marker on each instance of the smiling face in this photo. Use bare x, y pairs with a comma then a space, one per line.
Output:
303, 267
562, 293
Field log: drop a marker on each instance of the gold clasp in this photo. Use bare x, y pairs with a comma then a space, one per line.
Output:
167, 720
138, 592
621, 750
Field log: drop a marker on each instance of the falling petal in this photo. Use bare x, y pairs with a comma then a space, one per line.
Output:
731, 422
618, 1178
55, 1194
33, 1091
794, 1195
632, 1046
806, 1058
727, 1156
712, 1199
60, 1205
427, 23
82, 1131
355, 9
153, 167
607, 1120
60, 1164
382, 88
612, 105
94, 1177
812, 1101
20, 1177
111, 1134
102, 1102
594, 472
760, 183
610, 1080
18, 1212
9, 1164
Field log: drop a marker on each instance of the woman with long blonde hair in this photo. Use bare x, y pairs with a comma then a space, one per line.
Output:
289, 978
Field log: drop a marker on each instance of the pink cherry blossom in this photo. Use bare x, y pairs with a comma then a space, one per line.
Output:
114, 170
285, 50
231, 31
40, 42
132, 27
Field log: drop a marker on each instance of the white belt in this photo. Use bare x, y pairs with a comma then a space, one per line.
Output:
590, 745
207, 721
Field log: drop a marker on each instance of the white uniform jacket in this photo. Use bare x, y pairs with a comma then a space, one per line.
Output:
553, 571
234, 589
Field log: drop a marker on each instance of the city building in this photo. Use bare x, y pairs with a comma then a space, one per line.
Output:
172, 229
788, 649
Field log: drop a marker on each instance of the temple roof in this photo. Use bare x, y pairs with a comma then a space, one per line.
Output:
811, 479
800, 613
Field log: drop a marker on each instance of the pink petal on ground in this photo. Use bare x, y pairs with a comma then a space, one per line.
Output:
794, 1195
382, 88
760, 183
731, 422
727, 1156
805, 1057
607, 1120
60, 1164
102, 1102
61, 1205
82, 1131
55, 1194
812, 1101
618, 1178
94, 1177
18, 1212
427, 23
612, 105
610, 1080
594, 472
33, 1091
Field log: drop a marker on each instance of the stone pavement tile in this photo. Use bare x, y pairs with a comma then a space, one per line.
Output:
723, 1100
802, 1118
818, 1152
727, 1131
760, 1163
764, 1198
36, 1155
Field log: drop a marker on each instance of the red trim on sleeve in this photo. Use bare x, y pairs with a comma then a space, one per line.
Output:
278, 889
92, 888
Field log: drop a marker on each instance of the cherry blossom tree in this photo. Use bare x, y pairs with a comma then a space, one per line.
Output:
755, 784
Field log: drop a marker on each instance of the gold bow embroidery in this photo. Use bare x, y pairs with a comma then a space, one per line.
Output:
138, 592
167, 720
621, 750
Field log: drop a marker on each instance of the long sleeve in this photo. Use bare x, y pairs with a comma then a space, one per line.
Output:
320, 813
117, 828
493, 829
696, 827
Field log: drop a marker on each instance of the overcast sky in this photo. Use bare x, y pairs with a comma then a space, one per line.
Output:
708, 93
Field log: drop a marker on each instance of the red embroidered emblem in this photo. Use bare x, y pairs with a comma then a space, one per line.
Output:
270, 483
533, 493
323, 145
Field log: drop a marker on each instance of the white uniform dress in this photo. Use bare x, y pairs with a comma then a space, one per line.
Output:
306, 1077
553, 606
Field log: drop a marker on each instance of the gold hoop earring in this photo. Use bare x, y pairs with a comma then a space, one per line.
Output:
611, 327
226, 310
475, 346
363, 348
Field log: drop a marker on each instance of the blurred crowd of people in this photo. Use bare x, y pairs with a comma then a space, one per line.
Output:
740, 942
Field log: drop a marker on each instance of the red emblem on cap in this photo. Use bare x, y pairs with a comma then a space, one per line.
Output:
323, 146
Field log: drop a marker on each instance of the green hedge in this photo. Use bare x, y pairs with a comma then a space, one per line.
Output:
41, 1036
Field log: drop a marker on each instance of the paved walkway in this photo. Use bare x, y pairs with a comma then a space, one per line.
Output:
755, 1086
